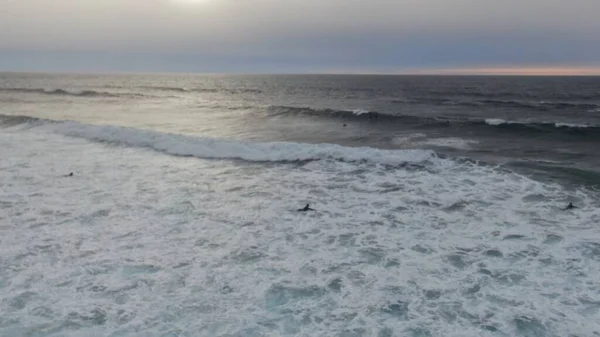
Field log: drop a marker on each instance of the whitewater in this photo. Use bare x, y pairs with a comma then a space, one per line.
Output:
158, 235
440, 206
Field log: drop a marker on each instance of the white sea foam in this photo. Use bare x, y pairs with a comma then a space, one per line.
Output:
138, 243
572, 125
420, 140
359, 112
408, 139
450, 142
497, 121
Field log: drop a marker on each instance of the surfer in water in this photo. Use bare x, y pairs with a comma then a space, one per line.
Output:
305, 209
69, 175
570, 206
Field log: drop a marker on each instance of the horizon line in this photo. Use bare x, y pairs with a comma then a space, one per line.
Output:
484, 71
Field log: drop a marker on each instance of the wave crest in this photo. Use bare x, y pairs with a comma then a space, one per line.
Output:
213, 148
572, 128
64, 92
499, 103
276, 110
568, 128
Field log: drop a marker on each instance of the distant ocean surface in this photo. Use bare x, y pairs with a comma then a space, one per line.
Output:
439, 206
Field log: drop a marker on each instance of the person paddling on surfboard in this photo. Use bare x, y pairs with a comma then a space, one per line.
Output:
306, 208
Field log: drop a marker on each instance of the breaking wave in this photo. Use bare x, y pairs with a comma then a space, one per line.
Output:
554, 127
213, 148
362, 113
277, 110
565, 128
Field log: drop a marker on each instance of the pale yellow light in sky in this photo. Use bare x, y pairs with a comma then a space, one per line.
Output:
522, 70
547, 71
532, 70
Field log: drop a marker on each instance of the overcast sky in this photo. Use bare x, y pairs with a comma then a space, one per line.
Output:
298, 35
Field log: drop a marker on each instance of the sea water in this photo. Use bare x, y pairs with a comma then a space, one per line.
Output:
168, 231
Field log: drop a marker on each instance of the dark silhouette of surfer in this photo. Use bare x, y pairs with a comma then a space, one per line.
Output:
69, 175
570, 206
306, 208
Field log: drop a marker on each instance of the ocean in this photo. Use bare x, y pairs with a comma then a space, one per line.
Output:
439, 205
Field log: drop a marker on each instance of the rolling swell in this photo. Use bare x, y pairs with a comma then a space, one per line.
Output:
571, 129
543, 106
498, 103
177, 89
284, 152
534, 128
214, 148
201, 90
508, 94
63, 92
280, 110
13, 120
582, 176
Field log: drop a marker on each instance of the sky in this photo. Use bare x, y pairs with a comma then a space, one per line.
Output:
302, 36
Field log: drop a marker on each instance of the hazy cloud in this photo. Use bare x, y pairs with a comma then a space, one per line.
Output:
303, 33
